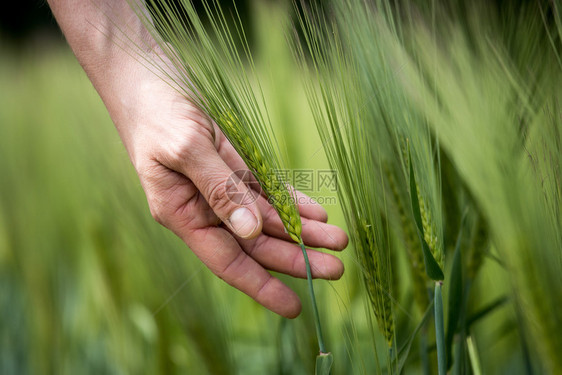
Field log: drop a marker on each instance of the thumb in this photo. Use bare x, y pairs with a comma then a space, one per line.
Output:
225, 192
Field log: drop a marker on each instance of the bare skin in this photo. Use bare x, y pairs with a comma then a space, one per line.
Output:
183, 162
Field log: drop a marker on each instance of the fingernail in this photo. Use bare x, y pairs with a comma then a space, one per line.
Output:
243, 222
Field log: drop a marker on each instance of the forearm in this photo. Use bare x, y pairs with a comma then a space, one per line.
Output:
95, 30
108, 40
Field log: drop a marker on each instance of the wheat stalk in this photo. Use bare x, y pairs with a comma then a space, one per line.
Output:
336, 96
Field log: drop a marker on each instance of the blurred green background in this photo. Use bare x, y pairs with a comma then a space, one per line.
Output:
90, 284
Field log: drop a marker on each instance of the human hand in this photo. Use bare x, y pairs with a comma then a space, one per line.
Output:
185, 163
186, 167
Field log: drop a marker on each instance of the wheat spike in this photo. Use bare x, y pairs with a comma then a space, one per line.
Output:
275, 189
377, 286
411, 243
429, 232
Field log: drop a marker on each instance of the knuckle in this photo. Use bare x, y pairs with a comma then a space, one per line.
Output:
230, 271
191, 142
149, 173
298, 263
180, 149
259, 244
157, 210
263, 288
156, 214
218, 198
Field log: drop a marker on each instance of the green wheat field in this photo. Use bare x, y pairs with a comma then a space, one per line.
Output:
444, 126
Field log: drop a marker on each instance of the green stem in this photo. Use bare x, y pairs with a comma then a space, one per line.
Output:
313, 298
473, 354
424, 352
440, 330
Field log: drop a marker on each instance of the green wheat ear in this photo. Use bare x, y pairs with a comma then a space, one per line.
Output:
429, 232
273, 186
377, 285
410, 241
283, 202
